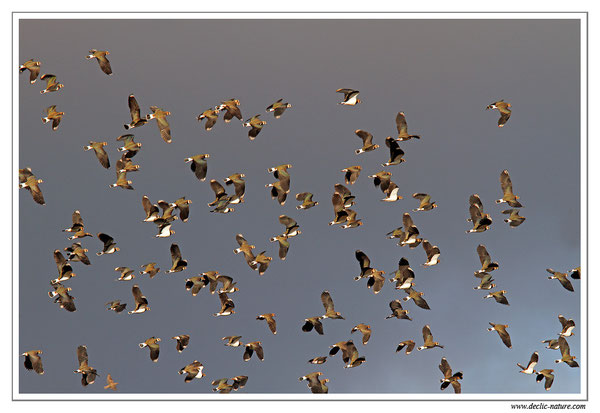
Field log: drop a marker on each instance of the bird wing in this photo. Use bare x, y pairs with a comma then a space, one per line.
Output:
395, 305
76, 217
533, 360
164, 128
484, 257
241, 240
564, 346
104, 64
102, 156
134, 108
259, 351
366, 137
475, 213
445, 368
342, 190
427, 336
287, 221
82, 356
475, 200
105, 238
407, 221
138, 296
175, 253
505, 182
217, 188
338, 202
363, 260
327, 301
401, 124
505, 337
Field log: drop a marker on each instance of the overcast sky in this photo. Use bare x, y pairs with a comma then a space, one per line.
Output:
441, 73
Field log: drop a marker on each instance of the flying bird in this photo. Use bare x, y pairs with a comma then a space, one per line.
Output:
402, 128
239, 186
252, 347
256, 125
409, 344
129, 145
313, 322
53, 115
449, 378
487, 265
507, 192
151, 269
51, 83
33, 361
161, 120
545, 374
152, 344
62, 297
127, 274
567, 326
562, 278
426, 204
433, 254
88, 374
531, 365
115, 306
351, 174
417, 297
307, 200
30, 182
514, 219
110, 383
232, 110
100, 55
270, 321
34, 69
396, 153
350, 97
365, 331
141, 302
367, 140
404, 275
428, 340
134, 111
565, 352
178, 263
101, 154
501, 330
110, 246
315, 384
192, 371
278, 108
503, 108
65, 271
227, 306
211, 115
499, 297
77, 253
329, 308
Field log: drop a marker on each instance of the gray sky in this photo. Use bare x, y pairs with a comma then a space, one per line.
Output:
441, 73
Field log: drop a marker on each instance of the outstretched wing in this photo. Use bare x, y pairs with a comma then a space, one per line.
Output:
366, 137
217, 188
445, 368
82, 356
484, 257
401, 123
327, 301
134, 108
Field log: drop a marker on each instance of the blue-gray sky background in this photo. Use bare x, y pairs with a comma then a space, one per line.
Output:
441, 73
